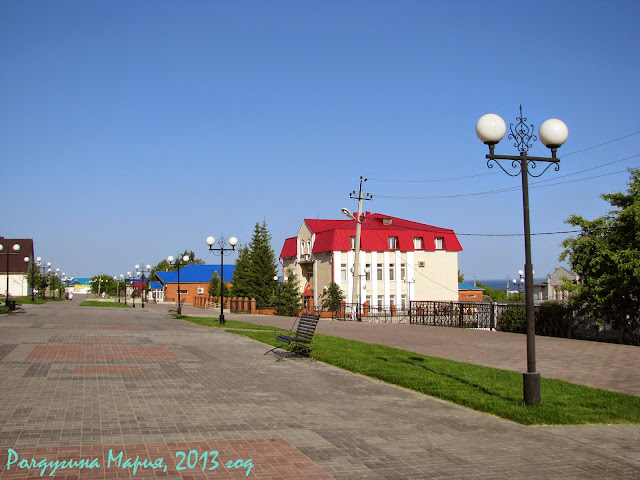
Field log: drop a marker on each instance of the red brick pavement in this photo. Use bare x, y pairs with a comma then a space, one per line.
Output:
100, 352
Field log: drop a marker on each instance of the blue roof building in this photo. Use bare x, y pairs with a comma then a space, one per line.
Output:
195, 274
194, 281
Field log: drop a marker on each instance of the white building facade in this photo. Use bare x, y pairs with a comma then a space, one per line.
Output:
399, 261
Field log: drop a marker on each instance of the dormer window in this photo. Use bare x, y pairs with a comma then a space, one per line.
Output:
439, 243
393, 243
418, 243
353, 242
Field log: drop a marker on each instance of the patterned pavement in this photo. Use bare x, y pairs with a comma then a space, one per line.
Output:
106, 393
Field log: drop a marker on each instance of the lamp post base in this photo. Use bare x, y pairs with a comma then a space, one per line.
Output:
531, 387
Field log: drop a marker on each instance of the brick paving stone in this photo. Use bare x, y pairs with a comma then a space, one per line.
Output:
171, 386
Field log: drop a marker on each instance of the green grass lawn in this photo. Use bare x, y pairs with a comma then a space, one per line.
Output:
96, 303
232, 324
26, 300
489, 390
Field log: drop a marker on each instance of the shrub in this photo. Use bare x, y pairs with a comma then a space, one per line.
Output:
513, 320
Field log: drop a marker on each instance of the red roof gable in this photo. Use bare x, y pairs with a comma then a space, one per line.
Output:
335, 235
290, 248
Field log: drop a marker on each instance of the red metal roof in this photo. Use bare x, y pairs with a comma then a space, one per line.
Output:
335, 235
290, 248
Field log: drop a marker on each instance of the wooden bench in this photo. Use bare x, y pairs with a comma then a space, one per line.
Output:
298, 340
177, 310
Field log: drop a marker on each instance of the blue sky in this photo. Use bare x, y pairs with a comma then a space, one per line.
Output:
132, 130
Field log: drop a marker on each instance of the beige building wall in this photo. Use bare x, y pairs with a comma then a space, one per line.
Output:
395, 277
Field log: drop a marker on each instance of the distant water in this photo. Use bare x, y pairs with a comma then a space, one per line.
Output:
501, 284
494, 284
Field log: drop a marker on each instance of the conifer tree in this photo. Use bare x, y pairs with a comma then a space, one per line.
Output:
241, 278
289, 300
263, 265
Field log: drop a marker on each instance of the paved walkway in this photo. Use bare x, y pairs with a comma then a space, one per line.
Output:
110, 385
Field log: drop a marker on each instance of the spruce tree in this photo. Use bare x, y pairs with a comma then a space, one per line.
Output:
263, 265
241, 278
290, 300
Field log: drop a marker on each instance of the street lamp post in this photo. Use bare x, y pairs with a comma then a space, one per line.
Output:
490, 129
141, 271
233, 241
128, 277
178, 262
15, 248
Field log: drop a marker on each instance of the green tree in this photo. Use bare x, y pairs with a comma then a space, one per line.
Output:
263, 265
289, 300
214, 286
606, 256
498, 295
460, 277
101, 283
241, 278
333, 298
164, 265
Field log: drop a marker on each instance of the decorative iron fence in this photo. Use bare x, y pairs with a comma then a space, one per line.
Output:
552, 319
455, 314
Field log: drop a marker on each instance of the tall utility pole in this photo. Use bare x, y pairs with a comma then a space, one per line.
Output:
358, 218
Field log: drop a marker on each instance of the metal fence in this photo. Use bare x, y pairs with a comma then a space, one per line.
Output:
553, 320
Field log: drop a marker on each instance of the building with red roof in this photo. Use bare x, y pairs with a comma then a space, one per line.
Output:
400, 260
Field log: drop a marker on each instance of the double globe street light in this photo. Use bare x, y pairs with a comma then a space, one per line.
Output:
16, 249
185, 259
233, 241
490, 129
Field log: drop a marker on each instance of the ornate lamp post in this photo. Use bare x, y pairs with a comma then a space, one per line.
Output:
185, 259
15, 248
141, 271
118, 280
490, 129
233, 241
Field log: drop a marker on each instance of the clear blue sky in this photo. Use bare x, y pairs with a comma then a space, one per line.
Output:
132, 130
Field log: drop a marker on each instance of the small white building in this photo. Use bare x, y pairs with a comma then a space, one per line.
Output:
400, 260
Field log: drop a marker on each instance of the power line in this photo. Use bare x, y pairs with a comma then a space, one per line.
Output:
501, 190
493, 173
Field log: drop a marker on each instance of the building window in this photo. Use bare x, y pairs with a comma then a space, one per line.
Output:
439, 241
183, 292
352, 240
379, 272
392, 272
380, 301
368, 300
343, 272
367, 274
393, 243
403, 302
418, 243
403, 271
392, 300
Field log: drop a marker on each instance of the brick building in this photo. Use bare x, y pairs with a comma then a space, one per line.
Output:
194, 281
